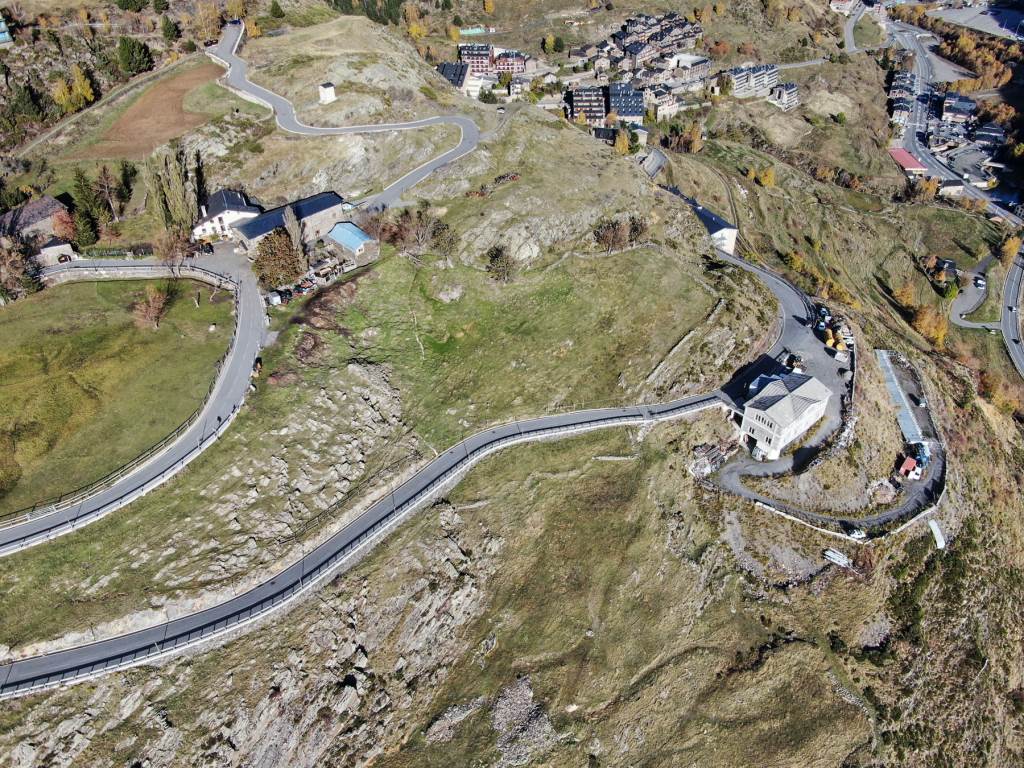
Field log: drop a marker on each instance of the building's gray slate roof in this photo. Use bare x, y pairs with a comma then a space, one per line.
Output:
274, 218
32, 212
786, 397
227, 200
454, 73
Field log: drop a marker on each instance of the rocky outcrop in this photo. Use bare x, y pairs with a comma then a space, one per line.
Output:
334, 684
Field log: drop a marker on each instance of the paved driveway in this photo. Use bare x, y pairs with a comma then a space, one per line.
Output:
971, 297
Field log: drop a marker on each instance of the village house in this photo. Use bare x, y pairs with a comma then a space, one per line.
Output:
910, 164
901, 108
786, 96
358, 248
957, 108
781, 409
667, 110
512, 62
689, 68
316, 215
487, 60
945, 136
640, 54
223, 210
951, 188
31, 221
478, 56
649, 78
990, 135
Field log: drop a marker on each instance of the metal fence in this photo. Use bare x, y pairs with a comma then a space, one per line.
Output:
343, 548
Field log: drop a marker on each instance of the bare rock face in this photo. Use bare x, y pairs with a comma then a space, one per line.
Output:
264, 499
331, 683
524, 730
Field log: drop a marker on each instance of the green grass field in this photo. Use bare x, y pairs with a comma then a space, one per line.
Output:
556, 338
83, 389
867, 33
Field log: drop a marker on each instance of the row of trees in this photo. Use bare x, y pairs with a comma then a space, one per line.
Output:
413, 232
29, 103
16, 273
174, 186
688, 139
381, 11
74, 95
925, 319
990, 58
764, 176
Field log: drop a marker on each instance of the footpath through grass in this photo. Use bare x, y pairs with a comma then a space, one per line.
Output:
83, 389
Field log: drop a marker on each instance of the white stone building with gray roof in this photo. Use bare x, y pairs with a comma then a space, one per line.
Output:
781, 410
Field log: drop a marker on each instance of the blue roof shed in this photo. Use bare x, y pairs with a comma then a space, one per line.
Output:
349, 236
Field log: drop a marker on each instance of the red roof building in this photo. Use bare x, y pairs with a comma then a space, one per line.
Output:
909, 465
907, 161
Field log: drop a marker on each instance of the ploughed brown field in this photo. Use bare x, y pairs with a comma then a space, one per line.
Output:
156, 117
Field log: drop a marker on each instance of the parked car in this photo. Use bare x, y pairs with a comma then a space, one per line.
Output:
979, 282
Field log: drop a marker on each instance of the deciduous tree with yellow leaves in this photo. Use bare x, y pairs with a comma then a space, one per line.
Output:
1009, 248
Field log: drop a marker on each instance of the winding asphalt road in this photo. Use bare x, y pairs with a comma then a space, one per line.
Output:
909, 37
849, 44
347, 545
237, 79
47, 523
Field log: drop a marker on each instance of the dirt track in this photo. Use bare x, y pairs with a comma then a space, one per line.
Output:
156, 117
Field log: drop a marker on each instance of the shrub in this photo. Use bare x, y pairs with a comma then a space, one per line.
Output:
500, 264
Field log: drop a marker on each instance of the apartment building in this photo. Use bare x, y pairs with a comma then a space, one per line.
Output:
626, 102
479, 57
588, 105
754, 81
786, 96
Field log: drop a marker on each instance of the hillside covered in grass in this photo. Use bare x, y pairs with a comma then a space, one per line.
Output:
77, 372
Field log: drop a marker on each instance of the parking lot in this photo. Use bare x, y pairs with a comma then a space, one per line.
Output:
1003, 22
